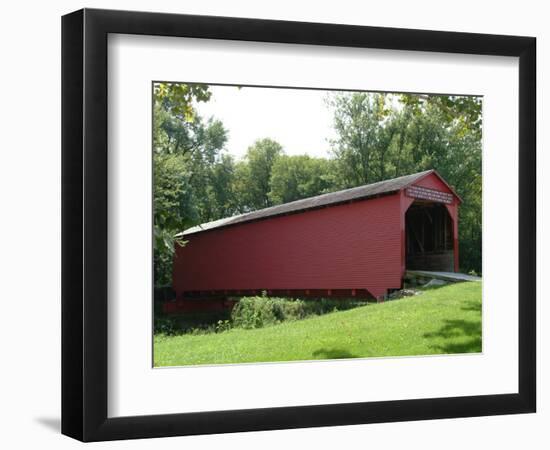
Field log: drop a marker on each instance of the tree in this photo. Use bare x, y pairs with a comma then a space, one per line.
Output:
221, 190
360, 121
255, 174
296, 177
173, 209
205, 154
178, 98
463, 109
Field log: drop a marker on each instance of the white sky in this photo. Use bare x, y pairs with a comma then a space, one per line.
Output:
298, 119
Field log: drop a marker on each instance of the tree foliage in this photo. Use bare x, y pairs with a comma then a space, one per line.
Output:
178, 98
361, 123
301, 176
173, 209
255, 173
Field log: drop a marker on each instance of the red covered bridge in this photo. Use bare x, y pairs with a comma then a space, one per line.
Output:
353, 243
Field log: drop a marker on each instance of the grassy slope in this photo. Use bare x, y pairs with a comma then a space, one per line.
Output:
443, 320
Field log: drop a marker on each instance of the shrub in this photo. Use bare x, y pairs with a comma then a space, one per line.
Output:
257, 312
260, 311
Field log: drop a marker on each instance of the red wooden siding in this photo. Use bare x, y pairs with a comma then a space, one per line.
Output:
350, 246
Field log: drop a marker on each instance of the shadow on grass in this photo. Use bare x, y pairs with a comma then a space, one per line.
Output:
472, 306
454, 330
333, 353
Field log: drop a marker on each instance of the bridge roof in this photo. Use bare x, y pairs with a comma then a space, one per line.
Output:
319, 201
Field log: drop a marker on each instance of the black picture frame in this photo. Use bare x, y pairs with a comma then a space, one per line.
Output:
84, 224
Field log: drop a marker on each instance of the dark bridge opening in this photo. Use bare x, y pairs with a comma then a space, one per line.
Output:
429, 237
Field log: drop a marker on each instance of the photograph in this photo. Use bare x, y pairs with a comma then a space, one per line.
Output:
301, 224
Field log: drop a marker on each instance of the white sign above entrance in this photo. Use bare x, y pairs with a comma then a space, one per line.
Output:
429, 194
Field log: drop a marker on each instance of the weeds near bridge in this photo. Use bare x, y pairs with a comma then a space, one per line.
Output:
251, 313
261, 311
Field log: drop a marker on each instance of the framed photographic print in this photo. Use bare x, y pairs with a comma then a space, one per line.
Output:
273, 224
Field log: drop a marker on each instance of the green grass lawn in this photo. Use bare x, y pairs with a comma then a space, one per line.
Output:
441, 320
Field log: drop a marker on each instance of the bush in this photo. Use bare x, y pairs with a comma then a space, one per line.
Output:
258, 312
